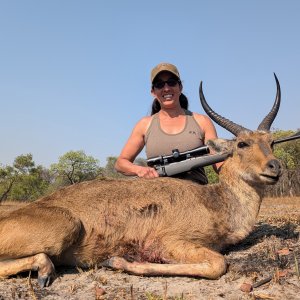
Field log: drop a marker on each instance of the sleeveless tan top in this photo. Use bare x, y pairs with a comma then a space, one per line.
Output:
159, 143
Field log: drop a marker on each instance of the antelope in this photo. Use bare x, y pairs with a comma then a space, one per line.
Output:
161, 226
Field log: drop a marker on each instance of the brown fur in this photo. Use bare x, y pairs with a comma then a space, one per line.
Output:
144, 226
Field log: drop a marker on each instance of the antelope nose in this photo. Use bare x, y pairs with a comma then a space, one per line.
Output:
274, 166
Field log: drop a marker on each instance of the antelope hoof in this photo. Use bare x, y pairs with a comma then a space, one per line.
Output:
114, 263
44, 281
45, 269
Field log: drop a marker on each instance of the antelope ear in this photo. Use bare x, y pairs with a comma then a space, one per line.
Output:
220, 145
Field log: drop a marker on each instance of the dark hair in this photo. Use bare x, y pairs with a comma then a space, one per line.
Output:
183, 100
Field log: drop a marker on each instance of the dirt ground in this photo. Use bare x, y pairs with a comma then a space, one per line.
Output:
263, 266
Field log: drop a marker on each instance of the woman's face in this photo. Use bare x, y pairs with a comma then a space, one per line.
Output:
167, 89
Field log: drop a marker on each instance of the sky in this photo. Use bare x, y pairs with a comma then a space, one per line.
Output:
75, 75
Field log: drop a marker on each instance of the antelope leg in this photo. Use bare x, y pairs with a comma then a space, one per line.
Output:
202, 269
39, 262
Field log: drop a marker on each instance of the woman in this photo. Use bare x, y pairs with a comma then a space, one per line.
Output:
170, 126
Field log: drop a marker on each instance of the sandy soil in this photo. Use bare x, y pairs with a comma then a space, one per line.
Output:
264, 266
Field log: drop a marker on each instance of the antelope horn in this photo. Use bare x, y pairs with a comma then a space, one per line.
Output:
266, 123
223, 122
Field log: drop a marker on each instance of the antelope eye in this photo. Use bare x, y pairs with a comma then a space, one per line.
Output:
242, 145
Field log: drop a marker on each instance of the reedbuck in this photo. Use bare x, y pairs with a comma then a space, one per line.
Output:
161, 226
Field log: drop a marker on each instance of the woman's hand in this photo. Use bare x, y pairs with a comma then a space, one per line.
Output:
146, 172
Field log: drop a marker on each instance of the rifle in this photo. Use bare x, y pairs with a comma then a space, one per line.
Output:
179, 162
289, 138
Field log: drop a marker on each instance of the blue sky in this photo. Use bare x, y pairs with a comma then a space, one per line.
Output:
75, 75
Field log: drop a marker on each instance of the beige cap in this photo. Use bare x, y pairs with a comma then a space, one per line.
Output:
164, 67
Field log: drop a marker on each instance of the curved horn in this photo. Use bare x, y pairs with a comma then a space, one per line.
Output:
266, 123
223, 122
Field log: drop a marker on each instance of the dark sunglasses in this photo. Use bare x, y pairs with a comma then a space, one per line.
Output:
170, 82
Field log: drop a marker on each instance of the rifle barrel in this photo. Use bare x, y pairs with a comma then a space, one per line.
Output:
289, 138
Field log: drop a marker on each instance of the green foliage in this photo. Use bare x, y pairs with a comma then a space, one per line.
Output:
8, 176
23, 180
212, 176
109, 169
30, 186
24, 163
287, 152
74, 167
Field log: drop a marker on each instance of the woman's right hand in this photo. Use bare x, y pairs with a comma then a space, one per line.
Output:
146, 172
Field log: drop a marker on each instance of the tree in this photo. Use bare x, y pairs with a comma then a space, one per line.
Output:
109, 169
289, 155
31, 185
23, 180
288, 152
24, 163
74, 167
7, 178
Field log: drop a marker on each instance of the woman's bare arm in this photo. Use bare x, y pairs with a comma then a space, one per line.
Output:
132, 148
